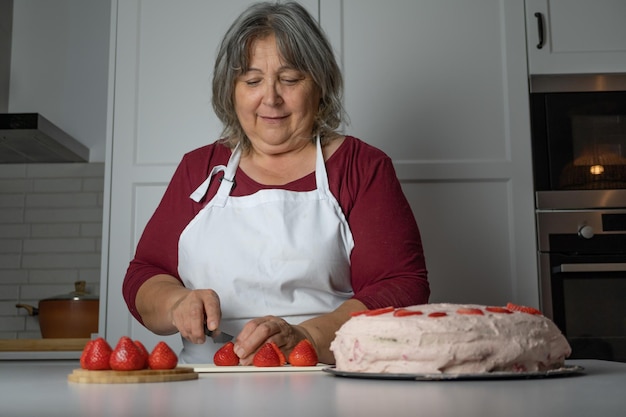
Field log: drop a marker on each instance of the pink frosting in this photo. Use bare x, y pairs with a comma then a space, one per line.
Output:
451, 343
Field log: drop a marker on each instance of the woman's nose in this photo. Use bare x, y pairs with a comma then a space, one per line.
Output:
272, 95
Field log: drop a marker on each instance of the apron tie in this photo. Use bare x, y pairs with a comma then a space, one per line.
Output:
227, 181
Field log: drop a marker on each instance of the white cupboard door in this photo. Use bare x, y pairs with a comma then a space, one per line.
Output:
161, 76
576, 36
441, 87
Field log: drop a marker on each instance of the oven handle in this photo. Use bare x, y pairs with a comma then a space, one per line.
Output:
599, 267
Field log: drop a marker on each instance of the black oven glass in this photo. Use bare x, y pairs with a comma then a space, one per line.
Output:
579, 140
589, 301
589, 305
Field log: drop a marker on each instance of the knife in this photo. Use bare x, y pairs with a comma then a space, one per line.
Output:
218, 336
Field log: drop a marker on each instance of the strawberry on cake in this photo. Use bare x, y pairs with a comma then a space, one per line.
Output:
449, 338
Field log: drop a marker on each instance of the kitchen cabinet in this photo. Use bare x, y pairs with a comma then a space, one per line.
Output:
441, 87
577, 36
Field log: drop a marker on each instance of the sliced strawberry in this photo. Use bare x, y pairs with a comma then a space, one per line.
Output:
162, 357
438, 314
495, 309
358, 313
281, 355
142, 349
523, 309
470, 310
266, 356
126, 356
378, 311
226, 356
303, 354
403, 312
96, 355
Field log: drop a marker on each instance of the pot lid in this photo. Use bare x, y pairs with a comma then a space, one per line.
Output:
79, 293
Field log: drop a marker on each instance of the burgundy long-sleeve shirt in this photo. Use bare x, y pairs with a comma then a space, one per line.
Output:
387, 263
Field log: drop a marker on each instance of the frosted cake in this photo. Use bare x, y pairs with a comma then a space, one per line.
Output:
449, 338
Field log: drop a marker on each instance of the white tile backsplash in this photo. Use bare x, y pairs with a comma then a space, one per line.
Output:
50, 236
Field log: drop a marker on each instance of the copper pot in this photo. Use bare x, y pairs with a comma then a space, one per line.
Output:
73, 315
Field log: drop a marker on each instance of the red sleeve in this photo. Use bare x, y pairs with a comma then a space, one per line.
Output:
157, 250
387, 262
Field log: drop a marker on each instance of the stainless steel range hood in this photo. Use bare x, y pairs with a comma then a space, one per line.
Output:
31, 138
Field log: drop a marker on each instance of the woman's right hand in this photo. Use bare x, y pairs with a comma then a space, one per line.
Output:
167, 307
192, 310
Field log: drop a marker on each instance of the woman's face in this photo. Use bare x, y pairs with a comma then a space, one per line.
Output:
275, 103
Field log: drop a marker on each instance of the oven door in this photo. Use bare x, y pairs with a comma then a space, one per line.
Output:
579, 140
588, 303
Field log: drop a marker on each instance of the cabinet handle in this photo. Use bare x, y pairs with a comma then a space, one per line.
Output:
599, 267
539, 17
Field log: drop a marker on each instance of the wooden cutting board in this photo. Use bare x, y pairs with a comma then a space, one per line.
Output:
85, 376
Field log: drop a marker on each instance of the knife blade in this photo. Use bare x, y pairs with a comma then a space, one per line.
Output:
218, 336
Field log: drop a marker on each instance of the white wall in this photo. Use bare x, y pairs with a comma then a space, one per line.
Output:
59, 66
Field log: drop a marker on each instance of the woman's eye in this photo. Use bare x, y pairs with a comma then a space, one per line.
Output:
253, 82
289, 81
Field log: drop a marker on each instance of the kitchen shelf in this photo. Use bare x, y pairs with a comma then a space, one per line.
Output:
42, 345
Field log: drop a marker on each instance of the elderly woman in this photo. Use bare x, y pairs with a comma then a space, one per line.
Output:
283, 228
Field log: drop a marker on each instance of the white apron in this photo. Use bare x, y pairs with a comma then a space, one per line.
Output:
275, 252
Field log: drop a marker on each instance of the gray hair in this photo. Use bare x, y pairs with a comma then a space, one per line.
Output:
301, 43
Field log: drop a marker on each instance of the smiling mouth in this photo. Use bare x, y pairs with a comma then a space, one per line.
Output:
273, 120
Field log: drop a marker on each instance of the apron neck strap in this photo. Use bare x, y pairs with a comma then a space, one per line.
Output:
321, 178
227, 181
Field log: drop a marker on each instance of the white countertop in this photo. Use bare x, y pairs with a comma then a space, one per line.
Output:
40, 388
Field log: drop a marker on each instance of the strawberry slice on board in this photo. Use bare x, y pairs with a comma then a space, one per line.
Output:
281, 355
303, 354
225, 356
267, 356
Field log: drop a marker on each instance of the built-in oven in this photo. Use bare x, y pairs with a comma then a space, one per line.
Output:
578, 131
582, 265
579, 168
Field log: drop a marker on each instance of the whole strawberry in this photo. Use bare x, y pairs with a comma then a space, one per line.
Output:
162, 357
268, 355
96, 355
303, 354
83, 356
126, 356
142, 349
226, 356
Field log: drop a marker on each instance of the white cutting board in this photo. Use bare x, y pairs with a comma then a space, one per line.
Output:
210, 368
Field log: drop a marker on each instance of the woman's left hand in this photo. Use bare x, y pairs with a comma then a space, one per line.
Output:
261, 330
